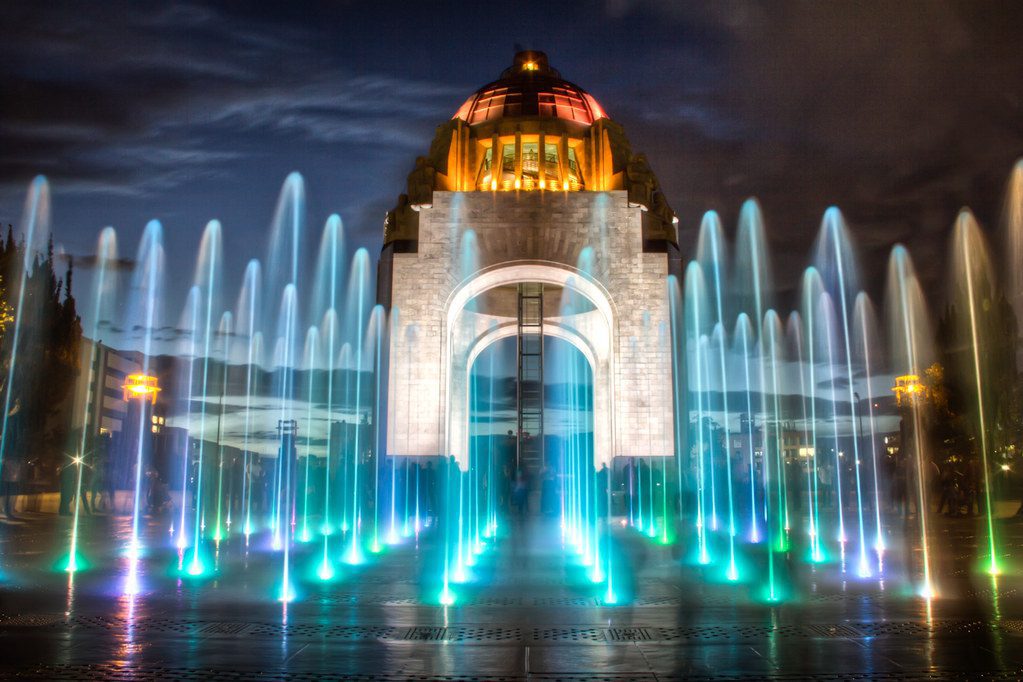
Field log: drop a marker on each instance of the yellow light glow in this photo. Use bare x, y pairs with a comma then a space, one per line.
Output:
542, 184
529, 66
518, 184
141, 386
906, 384
493, 185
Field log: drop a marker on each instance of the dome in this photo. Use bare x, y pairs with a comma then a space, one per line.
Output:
531, 88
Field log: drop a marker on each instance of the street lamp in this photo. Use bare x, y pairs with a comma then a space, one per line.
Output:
141, 386
908, 385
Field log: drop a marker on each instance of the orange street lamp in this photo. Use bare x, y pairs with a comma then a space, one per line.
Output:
141, 386
908, 385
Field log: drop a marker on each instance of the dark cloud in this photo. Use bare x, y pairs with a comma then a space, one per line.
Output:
899, 113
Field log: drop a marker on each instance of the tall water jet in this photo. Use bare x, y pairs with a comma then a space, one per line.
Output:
225, 330
975, 294
753, 283
1013, 235
911, 352
207, 279
811, 290
146, 296
774, 499
695, 306
287, 426
356, 324
377, 342
866, 339
744, 344
794, 331
248, 319
752, 273
104, 304
837, 265
286, 246
310, 357
710, 251
328, 293
826, 321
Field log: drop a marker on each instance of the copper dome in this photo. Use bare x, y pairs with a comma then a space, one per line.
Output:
530, 88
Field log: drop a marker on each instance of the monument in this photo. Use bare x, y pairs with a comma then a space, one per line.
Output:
530, 197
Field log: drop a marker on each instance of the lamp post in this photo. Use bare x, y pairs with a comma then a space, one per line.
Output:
907, 386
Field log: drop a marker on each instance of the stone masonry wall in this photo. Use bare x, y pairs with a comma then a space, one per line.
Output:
598, 233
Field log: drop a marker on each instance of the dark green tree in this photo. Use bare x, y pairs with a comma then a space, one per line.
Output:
49, 335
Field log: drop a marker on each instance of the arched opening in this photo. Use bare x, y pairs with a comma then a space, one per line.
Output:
500, 486
482, 310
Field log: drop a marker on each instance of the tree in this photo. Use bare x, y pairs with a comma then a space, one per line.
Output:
47, 363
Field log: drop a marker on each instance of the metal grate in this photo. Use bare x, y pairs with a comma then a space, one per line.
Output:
224, 628
564, 601
569, 634
423, 633
28, 620
692, 633
831, 631
360, 632
494, 601
658, 601
628, 634
483, 634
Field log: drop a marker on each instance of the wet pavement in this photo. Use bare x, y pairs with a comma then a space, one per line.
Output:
529, 613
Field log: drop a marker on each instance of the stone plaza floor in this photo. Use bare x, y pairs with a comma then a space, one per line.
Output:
530, 614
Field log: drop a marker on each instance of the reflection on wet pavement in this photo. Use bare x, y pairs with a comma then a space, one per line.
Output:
528, 612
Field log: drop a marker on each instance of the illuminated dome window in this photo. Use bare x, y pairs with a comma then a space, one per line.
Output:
552, 173
531, 88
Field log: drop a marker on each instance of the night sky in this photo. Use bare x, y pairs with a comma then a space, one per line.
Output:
898, 112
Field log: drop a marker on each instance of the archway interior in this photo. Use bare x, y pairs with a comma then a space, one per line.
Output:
567, 497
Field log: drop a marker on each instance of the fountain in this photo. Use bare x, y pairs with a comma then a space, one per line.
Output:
780, 416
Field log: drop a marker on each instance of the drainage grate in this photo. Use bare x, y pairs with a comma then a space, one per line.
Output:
360, 632
831, 631
29, 620
658, 601
1013, 626
105, 622
914, 629
165, 625
339, 599
397, 601
483, 634
569, 635
494, 601
628, 634
223, 628
425, 634
693, 633
564, 601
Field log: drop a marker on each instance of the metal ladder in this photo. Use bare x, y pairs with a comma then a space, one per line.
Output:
530, 451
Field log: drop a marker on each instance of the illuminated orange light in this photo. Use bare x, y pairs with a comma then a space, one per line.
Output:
141, 386
529, 66
908, 384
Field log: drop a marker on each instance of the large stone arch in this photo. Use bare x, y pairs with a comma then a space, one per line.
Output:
468, 333
539, 237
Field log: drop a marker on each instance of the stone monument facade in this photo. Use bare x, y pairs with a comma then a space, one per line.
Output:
530, 183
